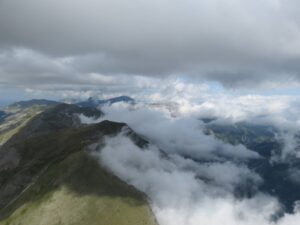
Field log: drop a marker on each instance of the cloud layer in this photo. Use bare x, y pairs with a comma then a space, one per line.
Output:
200, 180
175, 115
233, 42
178, 192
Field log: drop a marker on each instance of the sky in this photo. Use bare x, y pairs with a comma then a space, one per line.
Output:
81, 48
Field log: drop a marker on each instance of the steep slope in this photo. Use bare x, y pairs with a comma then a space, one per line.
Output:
83, 193
48, 177
16, 115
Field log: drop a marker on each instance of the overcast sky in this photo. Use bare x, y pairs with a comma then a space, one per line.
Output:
124, 45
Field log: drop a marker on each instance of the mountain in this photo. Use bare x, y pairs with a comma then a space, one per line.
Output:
259, 138
47, 175
18, 114
29, 103
2, 115
95, 103
262, 139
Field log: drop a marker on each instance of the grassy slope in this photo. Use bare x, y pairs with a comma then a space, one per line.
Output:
78, 191
63, 184
16, 121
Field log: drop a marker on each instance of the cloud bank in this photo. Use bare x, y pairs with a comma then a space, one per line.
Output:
232, 42
176, 115
184, 192
203, 180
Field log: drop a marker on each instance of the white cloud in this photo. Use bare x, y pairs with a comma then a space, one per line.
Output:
181, 135
182, 190
179, 197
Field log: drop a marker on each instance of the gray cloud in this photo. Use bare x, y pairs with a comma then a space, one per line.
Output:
236, 43
39, 73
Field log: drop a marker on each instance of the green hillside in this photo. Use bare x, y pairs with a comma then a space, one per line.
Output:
48, 177
78, 191
16, 116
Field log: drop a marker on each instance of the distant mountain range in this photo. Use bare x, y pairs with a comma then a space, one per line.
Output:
262, 139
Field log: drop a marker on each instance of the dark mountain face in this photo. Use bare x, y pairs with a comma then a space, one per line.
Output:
51, 135
259, 138
60, 117
18, 114
276, 174
95, 103
2, 116
50, 152
120, 99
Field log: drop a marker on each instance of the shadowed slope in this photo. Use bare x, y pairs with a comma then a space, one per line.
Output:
50, 178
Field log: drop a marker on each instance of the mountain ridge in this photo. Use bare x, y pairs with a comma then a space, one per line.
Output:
54, 139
